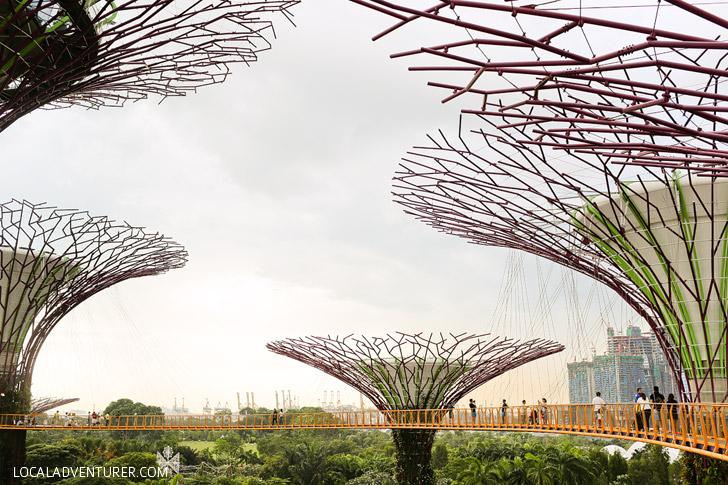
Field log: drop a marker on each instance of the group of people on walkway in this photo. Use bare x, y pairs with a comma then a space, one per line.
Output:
645, 410
651, 409
532, 414
68, 419
277, 417
649, 412
524, 414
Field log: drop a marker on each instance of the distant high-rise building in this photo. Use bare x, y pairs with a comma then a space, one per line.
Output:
633, 360
581, 382
617, 377
656, 368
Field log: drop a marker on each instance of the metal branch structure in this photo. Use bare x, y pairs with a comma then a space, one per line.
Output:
93, 53
404, 371
51, 260
637, 85
40, 405
594, 143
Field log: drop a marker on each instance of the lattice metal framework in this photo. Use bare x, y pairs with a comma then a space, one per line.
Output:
92, 53
417, 371
404, 371
42, 404
633, 84
51, 260
582, 121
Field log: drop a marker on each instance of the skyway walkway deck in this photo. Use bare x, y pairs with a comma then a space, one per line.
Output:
699, 428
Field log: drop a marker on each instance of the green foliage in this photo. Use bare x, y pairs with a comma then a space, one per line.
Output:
309, 465
95, 481
125, 411
455, 466
616, 467
540, 470
177, 479
187, 455
650, 465
476, 472
134, 460
51, 456
129, 408
15, 401
347, 467
702, 470
350, 457
373, 477
439, 456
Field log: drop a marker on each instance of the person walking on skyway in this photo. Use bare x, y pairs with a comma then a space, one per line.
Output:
544, 411
473, 411
673, 418
657, 399
598, 403
504, 411
643, 411
523, 412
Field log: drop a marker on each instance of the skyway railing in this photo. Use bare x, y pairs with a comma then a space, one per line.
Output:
699, 428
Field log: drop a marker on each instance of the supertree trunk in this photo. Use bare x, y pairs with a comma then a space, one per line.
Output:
12, 441
414, 456
12, 454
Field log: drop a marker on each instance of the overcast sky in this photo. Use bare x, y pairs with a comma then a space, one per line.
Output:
278, 184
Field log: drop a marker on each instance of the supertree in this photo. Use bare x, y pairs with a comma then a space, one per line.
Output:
51, 260
604, 161
639, 84
401, 371
92, 53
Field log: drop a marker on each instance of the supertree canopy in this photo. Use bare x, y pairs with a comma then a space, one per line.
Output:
59, 53
594, 143
51, 260
639, 84
403, 371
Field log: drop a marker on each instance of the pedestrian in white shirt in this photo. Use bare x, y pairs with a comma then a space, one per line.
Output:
644, 411
598, 402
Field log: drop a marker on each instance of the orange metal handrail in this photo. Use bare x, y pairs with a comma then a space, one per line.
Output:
699, 428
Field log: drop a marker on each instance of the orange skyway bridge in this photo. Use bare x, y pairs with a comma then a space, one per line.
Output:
698, 428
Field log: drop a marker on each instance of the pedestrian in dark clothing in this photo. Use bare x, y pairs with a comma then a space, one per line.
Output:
657, 401
673, 413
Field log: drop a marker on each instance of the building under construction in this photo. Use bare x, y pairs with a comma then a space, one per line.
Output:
633, 360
